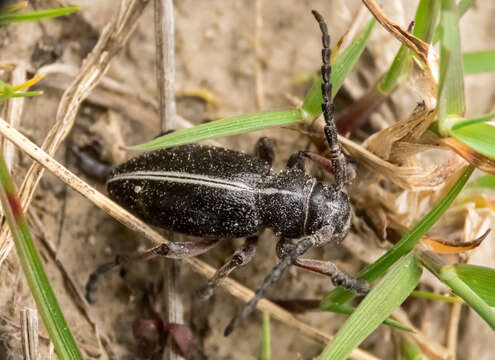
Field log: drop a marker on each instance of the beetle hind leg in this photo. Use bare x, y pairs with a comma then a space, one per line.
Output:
241, 257
172, 250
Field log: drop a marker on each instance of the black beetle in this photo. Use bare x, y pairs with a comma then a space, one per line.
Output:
217, 193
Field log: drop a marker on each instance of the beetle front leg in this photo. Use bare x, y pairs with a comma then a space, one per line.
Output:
300, 248
325, 267
241, 257
173, 250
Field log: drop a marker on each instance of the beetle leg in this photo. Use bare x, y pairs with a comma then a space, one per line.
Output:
302, 245
241, 257
297, 161
264, 149
338, 277
173, 250
90, 166
327, 268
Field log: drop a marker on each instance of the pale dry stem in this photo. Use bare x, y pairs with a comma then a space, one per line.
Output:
258, 78
29, 334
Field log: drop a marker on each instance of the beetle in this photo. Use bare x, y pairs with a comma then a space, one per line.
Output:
216, 193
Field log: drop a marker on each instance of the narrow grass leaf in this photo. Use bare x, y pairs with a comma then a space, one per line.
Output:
449, 276
407, 242
425, 19
43, 295
411, 351
464, 6
225, 127
342, 65
478, 62
472, 121
433, 296
451, 103
266, 349
424, 25
482, 183
37, 15
479, 278
348, 310
479, 137
385, 297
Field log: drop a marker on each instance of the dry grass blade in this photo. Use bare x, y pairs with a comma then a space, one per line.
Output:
112, 39
14, 113
480, 161
147, 232
29, 334
407, 177
419, 47
408, 130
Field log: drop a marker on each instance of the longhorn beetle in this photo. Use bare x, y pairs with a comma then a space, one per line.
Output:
216, 193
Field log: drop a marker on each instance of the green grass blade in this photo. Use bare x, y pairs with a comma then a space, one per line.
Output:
266, 350
464, 6
424, 24
225, 127
482, 183
472, 121
479, 137
449, 276
47, 304
411, 352
478, 62
434, 296
479, 278
342, 65
426, 19
4, 97
37, 15
407, 242
451, 103
385, 297
348, 310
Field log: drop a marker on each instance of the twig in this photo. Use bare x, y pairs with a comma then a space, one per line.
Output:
164, 40
29, 334
165, 79
112, 39
14, 113
258, 80
143, 229
453, 329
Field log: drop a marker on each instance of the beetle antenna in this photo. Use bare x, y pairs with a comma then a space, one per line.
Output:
339, 162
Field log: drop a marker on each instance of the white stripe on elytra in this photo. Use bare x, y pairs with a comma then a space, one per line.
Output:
196, 179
